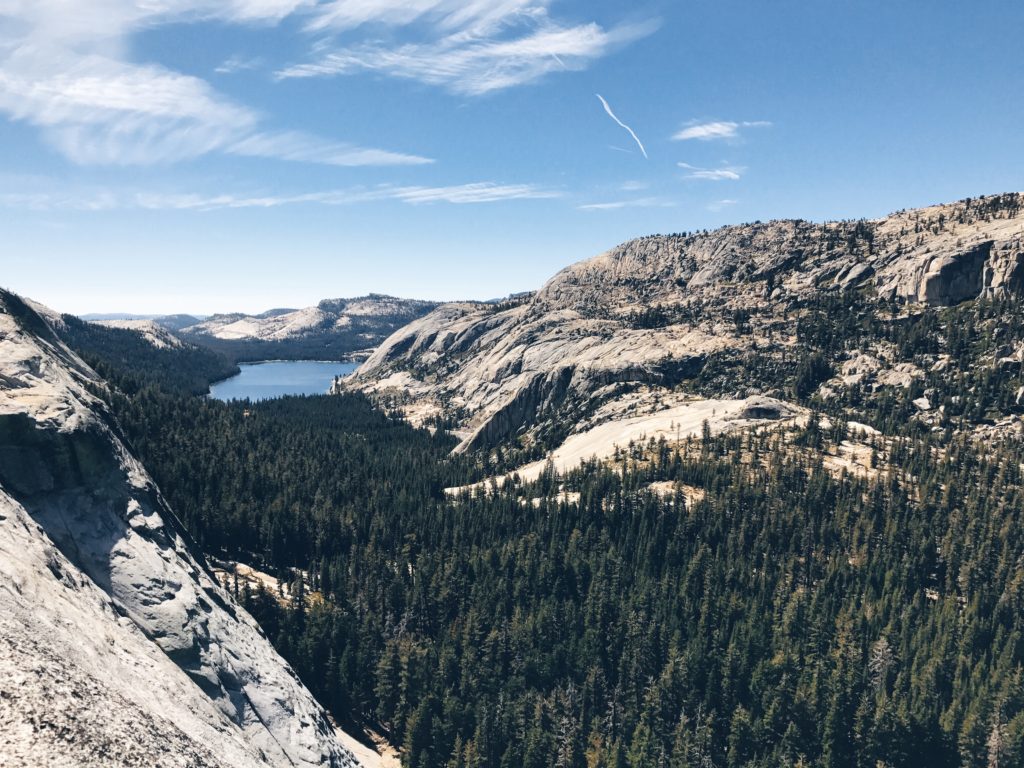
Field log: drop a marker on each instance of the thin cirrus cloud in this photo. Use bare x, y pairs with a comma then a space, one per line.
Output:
478, 16
470, 48
484, 192
461, 194
614, 205
301, 147
237, 63
716, 130
728, 173
62, 70
96, 110
105, 200
720, 205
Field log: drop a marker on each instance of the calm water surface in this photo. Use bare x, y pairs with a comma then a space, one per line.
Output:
262, 381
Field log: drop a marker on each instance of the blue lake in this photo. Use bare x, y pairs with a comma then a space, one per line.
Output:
277, 378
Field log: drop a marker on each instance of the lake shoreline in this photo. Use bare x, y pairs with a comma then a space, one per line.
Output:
270, 379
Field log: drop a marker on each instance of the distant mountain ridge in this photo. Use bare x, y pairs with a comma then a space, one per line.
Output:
332, 329
369, 312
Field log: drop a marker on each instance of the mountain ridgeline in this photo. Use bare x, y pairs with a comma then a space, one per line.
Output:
775, 308
334, 329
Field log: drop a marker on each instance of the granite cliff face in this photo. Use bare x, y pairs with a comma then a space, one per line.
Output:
117, 648
620, 332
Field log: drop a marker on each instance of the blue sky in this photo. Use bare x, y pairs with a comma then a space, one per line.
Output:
219, 155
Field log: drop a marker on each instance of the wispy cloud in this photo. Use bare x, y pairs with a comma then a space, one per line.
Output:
106, 200
642, 202
486, 192
716, 130
100, 111
727, 173
470, 48
63, 69
717, 174
479, 16
44, 201
301, 147
621, 124
721, 205
238, 10
237, 63
461, 194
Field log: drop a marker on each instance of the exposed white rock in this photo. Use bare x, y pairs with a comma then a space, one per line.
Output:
272, 327
116, 646
858, 368
864, 430
150, 330
672, 424
380, 755
684, 419
900, 375
669, 488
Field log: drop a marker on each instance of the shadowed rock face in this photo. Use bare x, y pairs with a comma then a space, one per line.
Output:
763, 408
116, 646
954, 278
35, 461
1004, 270
651, 312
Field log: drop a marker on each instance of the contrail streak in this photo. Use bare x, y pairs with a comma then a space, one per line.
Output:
622, 124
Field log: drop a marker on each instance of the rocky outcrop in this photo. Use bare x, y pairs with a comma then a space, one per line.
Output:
117, 648
651, 312
950, 279
152, 331
1004, 269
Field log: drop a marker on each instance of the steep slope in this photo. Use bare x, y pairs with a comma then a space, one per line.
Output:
121, 352
333, 327
116, 646
152, 331
630, 331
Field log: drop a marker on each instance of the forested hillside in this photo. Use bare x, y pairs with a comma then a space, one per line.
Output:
127, 356
739, 600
